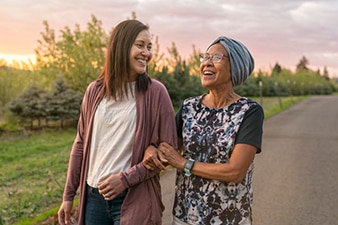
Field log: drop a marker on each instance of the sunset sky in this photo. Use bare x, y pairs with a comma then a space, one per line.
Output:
280, 31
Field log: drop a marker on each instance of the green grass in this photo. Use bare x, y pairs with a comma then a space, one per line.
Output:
47, 217
39, 218
33, 169
274, 105
32, 173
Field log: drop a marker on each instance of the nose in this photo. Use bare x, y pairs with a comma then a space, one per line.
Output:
147, 53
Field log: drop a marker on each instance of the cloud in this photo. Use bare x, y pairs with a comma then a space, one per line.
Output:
275, 31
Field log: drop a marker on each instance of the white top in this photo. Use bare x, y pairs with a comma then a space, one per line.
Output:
113, 132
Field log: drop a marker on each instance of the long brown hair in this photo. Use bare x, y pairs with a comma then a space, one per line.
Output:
116, 70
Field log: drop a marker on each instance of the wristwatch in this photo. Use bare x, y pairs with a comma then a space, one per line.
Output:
188, 166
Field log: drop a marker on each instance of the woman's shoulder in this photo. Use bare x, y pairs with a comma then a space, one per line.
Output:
156, 84
94, 85
193, 102
251, 105
193, 99
249, 101
94, 88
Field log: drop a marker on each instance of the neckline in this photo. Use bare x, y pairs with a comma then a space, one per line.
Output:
216, 108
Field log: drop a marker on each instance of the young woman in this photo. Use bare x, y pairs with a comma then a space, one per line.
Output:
123, 113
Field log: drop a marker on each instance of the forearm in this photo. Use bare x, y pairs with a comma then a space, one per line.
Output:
221, 171
137, 174
232, 171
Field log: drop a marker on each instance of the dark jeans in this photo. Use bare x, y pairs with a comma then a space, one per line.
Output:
100, 211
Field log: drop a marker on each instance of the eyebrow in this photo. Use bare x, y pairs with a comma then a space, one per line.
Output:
142, 41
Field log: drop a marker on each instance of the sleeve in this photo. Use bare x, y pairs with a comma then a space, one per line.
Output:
76, 155
167, 127
137, 174
251, 130
160, 117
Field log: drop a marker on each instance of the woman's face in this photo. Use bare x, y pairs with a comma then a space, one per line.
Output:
215, 74
140, 53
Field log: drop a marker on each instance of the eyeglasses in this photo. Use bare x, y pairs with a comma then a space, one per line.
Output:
214, 58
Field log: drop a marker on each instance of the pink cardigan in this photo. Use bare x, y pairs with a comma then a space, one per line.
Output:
155, 123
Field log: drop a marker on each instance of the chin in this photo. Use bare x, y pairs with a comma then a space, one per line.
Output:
142, 71
204, 84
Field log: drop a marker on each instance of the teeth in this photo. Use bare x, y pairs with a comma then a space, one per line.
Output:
207, 72
142, 61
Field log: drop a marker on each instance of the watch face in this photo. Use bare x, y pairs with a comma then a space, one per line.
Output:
187, 167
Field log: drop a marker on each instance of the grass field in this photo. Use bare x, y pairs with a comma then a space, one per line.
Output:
33, 169
32, 173
274, 105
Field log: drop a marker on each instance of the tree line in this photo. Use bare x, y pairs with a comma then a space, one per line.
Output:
60, 104
51, 89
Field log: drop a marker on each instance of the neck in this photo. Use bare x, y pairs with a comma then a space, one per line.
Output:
220, 99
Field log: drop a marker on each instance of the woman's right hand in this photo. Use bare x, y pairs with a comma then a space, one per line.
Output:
172, 155
64, 213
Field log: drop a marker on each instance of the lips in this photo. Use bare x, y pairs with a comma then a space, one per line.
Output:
208, 73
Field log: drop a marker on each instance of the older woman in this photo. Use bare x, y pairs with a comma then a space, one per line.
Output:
221, 133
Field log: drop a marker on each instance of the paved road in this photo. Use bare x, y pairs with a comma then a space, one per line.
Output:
296, 175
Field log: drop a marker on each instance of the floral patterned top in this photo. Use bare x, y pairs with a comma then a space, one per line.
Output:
209, 135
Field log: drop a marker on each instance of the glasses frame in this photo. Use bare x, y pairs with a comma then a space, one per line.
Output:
214, 58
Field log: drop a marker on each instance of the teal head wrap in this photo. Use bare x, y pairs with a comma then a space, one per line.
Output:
241, 61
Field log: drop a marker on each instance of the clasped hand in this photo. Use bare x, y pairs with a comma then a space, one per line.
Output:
161, 157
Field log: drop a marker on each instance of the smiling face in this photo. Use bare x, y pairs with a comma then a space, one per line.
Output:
214, 75
140, 53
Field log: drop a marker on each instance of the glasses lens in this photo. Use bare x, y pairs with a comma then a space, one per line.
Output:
217, 58
214, 58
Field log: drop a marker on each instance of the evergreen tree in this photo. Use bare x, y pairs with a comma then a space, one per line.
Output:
276, 69
303, 64
29, 105
326, 73
62, 103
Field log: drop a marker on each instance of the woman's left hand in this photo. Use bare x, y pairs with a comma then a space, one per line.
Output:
111, 186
